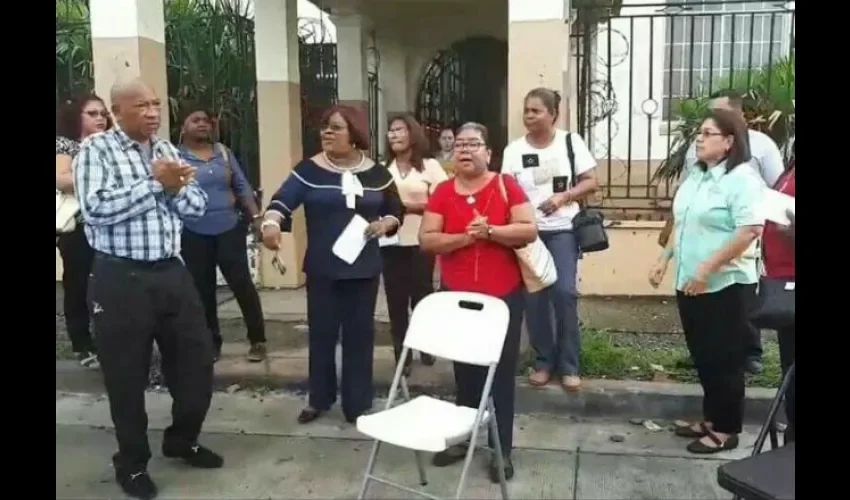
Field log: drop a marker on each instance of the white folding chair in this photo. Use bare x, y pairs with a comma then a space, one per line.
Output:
459, 326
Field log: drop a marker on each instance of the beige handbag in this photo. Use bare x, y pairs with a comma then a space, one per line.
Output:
535, 261
67, 208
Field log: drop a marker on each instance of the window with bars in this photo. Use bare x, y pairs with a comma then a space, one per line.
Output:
714, 46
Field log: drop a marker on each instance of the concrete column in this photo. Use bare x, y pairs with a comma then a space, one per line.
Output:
279, 123
538, 54
352, 41
128, 41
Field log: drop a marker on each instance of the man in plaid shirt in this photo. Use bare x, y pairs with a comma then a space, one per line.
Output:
133, 193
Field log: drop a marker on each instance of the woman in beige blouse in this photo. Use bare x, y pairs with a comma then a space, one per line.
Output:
408, 273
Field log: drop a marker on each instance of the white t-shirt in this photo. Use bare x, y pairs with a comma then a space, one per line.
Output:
539, 170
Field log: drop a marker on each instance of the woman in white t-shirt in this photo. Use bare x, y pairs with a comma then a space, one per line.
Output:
540, 162
408, 273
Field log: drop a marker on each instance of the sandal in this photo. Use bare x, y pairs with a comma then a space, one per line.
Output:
688, 431
701, 448
307, 415
427, 359
540, 378
450, 455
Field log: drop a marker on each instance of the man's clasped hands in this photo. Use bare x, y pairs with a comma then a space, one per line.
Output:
172, 174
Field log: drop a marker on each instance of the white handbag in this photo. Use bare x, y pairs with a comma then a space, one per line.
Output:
67, 208
535, 261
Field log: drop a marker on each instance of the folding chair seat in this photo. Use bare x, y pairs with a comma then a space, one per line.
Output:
459, 326
423, 424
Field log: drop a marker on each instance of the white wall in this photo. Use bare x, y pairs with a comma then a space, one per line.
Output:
631, 43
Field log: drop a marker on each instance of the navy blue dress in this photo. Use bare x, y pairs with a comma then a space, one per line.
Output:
340, 296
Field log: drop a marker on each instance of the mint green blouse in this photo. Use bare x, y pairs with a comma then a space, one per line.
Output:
707, 210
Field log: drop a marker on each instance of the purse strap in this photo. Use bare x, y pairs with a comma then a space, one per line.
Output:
228, 164
502, 189
571, 157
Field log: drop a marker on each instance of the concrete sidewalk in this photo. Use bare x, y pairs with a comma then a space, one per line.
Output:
268, 455
286, 367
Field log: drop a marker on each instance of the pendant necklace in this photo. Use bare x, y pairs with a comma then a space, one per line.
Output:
470, 200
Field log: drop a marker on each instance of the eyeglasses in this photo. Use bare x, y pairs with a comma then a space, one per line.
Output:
95, 113
336, 129
708, 133
277, 263
396, 131
469, 146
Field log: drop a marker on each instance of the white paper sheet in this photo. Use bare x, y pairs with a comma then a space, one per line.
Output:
776, 204
388, 241
352, 240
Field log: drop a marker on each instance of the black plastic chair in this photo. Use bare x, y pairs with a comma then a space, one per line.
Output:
769, 475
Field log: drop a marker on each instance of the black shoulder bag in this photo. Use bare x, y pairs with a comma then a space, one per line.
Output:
588, 225
775, 307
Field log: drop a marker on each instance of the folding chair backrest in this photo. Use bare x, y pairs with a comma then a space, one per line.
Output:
460, 326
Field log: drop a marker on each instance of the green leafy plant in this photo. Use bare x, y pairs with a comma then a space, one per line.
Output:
74, 71
209, 60
769, 95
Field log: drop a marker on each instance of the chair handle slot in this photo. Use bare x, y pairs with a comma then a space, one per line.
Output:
468, 304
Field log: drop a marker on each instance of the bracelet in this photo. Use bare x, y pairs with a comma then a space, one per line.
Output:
268, 223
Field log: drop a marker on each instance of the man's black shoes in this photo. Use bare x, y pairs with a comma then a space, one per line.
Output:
135, 481
195, 456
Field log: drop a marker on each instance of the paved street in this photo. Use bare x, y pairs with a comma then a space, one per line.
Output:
268, 455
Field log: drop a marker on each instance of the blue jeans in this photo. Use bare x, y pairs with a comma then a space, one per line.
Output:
558, 350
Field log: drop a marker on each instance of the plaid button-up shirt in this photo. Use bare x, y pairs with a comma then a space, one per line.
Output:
127, 213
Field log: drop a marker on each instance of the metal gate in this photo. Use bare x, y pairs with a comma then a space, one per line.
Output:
318, 68
644, 73
466, 82
373, 112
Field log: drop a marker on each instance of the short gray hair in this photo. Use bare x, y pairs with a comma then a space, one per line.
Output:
481, 129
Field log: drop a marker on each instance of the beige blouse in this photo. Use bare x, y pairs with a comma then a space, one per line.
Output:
416, 186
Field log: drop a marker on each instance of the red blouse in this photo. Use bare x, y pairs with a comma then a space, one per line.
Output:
485, 266
778, 249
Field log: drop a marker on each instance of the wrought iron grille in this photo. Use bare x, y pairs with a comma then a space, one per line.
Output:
465, 83
644, 74
373, 111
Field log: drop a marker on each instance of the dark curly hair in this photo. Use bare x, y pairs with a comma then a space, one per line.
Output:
69, 120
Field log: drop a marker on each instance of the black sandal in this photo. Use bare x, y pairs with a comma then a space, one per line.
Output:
307, 415
689, 432
700, 448
450, 455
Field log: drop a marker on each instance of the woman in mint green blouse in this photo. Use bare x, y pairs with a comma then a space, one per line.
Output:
716, 220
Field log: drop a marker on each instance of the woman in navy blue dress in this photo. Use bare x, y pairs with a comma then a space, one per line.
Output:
334, 186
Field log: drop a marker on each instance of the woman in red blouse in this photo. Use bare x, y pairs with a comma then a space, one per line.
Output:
779, 262
473, 227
